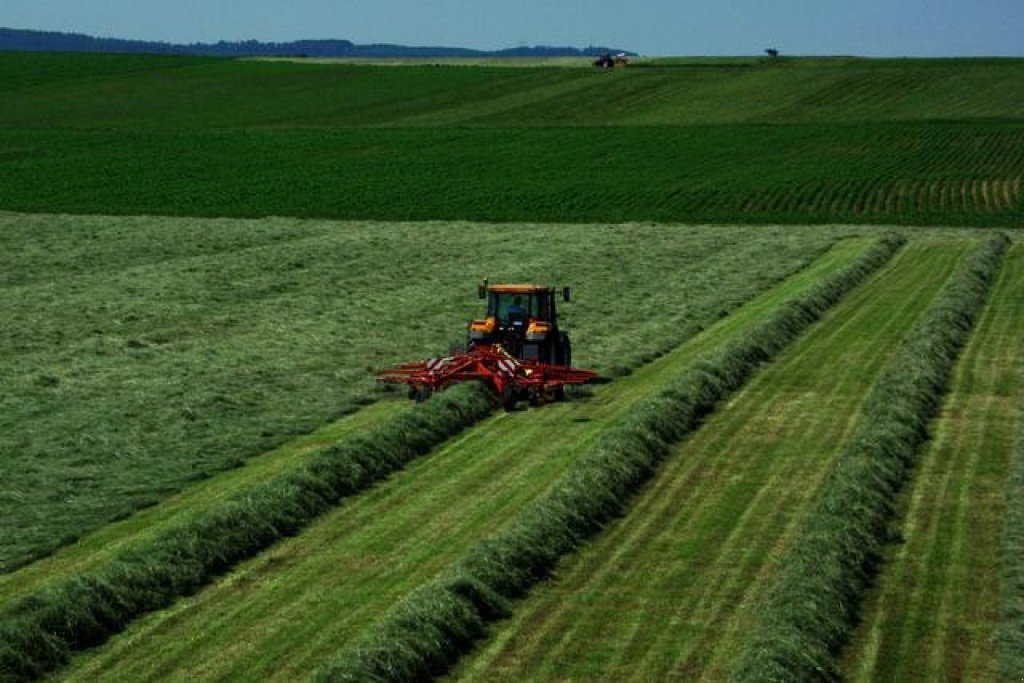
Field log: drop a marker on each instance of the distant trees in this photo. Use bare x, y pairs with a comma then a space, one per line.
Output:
772, 52
36, 41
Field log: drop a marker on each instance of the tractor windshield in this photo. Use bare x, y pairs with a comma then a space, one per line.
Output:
510, 307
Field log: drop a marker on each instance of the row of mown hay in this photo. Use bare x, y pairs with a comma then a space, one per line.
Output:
40, 632
812, 604
425, 633
1011, 632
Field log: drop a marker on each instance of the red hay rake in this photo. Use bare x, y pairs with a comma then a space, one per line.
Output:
509, 377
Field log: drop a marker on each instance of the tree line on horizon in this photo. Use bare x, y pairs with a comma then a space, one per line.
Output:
24, 40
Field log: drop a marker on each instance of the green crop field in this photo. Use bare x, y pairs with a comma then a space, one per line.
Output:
800, 277
915, 142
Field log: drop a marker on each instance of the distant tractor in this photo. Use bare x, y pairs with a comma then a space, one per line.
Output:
607, 61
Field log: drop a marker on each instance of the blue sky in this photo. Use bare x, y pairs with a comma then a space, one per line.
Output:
653, 27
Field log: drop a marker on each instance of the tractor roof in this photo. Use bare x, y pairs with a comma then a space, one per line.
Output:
518, 289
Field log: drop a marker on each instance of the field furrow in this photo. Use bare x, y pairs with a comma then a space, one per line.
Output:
666, 590
936, 609
308, 595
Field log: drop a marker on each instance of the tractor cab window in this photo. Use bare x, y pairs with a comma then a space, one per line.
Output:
512, 307
518, 307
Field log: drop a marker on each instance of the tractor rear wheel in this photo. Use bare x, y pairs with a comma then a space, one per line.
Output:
509, 399
563, 352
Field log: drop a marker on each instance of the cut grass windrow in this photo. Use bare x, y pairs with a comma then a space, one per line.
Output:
665, 591
427, 632
934, 611
1011, 632
100, 546
39, 632
813, 603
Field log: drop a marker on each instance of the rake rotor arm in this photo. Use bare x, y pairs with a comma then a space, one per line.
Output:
508, 377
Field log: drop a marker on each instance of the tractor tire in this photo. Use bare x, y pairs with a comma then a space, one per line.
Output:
563, 354
423, 394
509, 399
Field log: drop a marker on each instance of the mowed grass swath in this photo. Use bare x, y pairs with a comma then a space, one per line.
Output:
39, 632
665, 592
860, 141
813, 602
1011, 628
930, 613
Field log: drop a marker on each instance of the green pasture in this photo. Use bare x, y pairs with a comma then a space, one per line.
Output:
934, 173
139, 355
791, 141
174, 93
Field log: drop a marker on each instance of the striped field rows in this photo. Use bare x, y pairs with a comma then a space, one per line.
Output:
667, 591
670, 589
935, 610
883, 198
283, 613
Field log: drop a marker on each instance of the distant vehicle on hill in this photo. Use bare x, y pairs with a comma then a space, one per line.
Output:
607, 61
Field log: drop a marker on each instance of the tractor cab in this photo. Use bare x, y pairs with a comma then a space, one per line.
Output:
519, 305
524, 321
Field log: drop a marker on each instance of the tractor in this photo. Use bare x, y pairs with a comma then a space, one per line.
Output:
524, 320
517, 351
606, 61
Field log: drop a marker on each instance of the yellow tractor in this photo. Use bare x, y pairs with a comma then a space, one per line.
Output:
517, 350
523, 319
